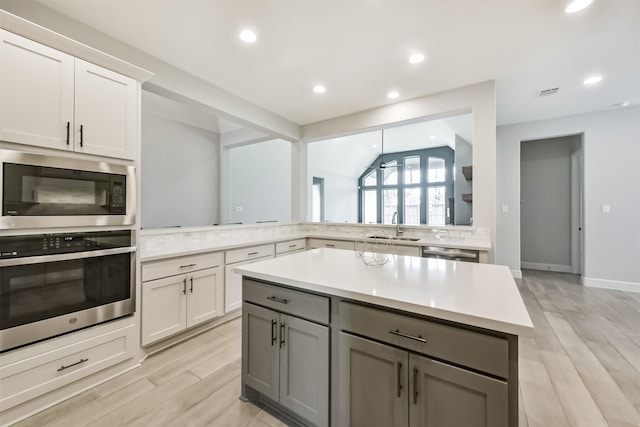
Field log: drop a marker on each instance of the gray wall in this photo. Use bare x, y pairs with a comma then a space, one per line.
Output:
464, 157
179, 171
260, 182
611, 153
545, 203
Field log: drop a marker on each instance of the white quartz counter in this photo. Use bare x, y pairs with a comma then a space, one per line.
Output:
165, 243
480, 295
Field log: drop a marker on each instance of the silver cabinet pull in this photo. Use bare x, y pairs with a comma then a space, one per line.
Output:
281, 334
62, 368
415, 385
68, 131
280, 300
292, 246
81, 135
252, 253
188, 265
330, 245
274, 331
411, 337
191, 287
184, 286
399, 379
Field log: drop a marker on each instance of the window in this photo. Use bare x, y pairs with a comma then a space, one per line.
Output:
416, 184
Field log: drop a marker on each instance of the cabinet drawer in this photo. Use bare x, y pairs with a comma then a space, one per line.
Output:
31, 377
472, 349
335, 244
290, 246
170, 267
252, 252
301, 304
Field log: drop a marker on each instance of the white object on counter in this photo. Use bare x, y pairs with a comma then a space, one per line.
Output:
480, 295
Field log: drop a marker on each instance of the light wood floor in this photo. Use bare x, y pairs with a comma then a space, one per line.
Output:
580, 368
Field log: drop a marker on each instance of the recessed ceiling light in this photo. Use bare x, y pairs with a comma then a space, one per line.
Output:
432, 137
393, 94
577, 5
319, 89
416, 58
373, 146
592, 80
248, 36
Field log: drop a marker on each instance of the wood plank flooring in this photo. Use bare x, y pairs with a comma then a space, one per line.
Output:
580, 368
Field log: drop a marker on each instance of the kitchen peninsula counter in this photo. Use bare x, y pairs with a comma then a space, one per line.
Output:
330, 340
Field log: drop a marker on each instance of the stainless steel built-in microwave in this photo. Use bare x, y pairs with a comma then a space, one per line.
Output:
48, 191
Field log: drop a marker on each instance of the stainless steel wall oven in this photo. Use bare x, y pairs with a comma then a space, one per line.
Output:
48, 191
51, 284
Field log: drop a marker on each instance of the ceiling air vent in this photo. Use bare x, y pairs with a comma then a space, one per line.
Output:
547, 92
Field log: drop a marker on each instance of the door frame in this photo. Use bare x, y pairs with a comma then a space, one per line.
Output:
577, 211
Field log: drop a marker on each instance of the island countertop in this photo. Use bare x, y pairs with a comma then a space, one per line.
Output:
481, 295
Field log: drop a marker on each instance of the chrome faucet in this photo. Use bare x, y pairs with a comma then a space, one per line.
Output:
396, 220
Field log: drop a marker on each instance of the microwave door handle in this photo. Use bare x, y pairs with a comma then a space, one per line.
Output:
65, 257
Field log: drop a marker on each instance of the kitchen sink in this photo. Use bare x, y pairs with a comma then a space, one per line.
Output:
406, 239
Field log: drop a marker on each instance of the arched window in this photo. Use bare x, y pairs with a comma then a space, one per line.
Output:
416, 184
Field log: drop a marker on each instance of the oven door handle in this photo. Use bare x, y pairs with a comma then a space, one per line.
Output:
65, 257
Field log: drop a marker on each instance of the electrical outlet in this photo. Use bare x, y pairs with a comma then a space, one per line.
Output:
238, 208
167, 239
606, 209
504, 208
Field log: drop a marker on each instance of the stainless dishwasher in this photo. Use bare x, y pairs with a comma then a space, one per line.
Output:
453, 254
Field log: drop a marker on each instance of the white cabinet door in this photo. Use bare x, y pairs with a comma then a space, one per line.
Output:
164, 304
233, 285
205, 295
105, 112
36, 93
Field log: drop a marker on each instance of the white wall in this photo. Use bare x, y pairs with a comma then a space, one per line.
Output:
260, 182
340, 196
545, 207
179, 171
479, 98
611, 148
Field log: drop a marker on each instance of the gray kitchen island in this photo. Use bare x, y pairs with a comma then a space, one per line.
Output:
329, 340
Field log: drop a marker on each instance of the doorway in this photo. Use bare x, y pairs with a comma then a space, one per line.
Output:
551, 188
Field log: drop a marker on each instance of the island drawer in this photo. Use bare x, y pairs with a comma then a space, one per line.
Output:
301, 304
333, 244
186, 264
475, 350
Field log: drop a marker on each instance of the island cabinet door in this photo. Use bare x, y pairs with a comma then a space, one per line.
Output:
444, 395
373, 386
260, 350
304, 369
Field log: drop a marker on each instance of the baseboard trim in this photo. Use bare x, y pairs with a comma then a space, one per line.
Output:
517, 274
558, 268
611, 284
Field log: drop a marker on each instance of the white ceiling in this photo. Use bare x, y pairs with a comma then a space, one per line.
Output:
358, 49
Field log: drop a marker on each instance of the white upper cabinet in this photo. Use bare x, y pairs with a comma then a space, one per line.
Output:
36, 93
51, 99
105, 112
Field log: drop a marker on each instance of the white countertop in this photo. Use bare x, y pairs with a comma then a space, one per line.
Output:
480, 295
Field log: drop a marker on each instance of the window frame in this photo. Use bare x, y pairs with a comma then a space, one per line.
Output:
444, 152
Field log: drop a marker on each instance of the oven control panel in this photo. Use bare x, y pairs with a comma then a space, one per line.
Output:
50, 244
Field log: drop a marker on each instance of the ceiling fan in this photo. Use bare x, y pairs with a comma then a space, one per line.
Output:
382, 164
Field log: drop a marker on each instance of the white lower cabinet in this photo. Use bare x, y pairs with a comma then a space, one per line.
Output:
290, 247
35, 370
174, 303
333, 244
233, 281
